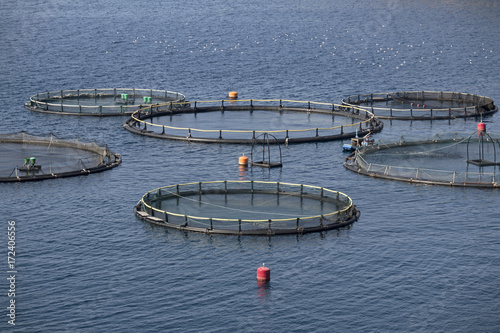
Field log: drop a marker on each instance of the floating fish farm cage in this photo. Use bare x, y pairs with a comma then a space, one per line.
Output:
243, 121
453, 159
25, 157
423, 105
247, 208
100, 102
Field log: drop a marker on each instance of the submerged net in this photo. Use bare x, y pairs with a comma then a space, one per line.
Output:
443, 159
28, 157
423, 105
247, 208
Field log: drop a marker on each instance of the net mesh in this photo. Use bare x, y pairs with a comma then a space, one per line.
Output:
30, 157
442, 159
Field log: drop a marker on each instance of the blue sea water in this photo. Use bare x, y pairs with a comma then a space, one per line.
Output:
420, 258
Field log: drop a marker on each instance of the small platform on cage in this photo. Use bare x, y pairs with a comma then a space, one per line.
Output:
30, 168
482, 162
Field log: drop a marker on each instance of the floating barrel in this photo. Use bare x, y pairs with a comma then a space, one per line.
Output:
243, 160
33, 160
233, 94
263, 273
481, 127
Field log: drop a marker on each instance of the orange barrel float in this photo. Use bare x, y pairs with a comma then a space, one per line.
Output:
243, 160
233, 94
263, 273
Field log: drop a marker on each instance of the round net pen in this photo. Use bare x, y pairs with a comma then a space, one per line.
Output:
247, 208
243, 121
25, 157
423, 105
266, 161
445, 159
99, 102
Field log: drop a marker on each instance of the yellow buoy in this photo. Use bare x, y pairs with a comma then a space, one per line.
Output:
243, 160
233, 94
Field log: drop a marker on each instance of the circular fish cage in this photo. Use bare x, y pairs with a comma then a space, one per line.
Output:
247, 208
454, 159
26, 157
423, 105
99, 102
242, 121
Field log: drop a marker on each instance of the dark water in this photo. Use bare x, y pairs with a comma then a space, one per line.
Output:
246, 206
261, 120
421, 258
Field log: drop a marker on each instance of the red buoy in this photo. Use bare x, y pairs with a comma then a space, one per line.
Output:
481, 129
263, 273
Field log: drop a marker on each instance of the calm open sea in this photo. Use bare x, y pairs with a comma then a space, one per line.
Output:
420, 258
